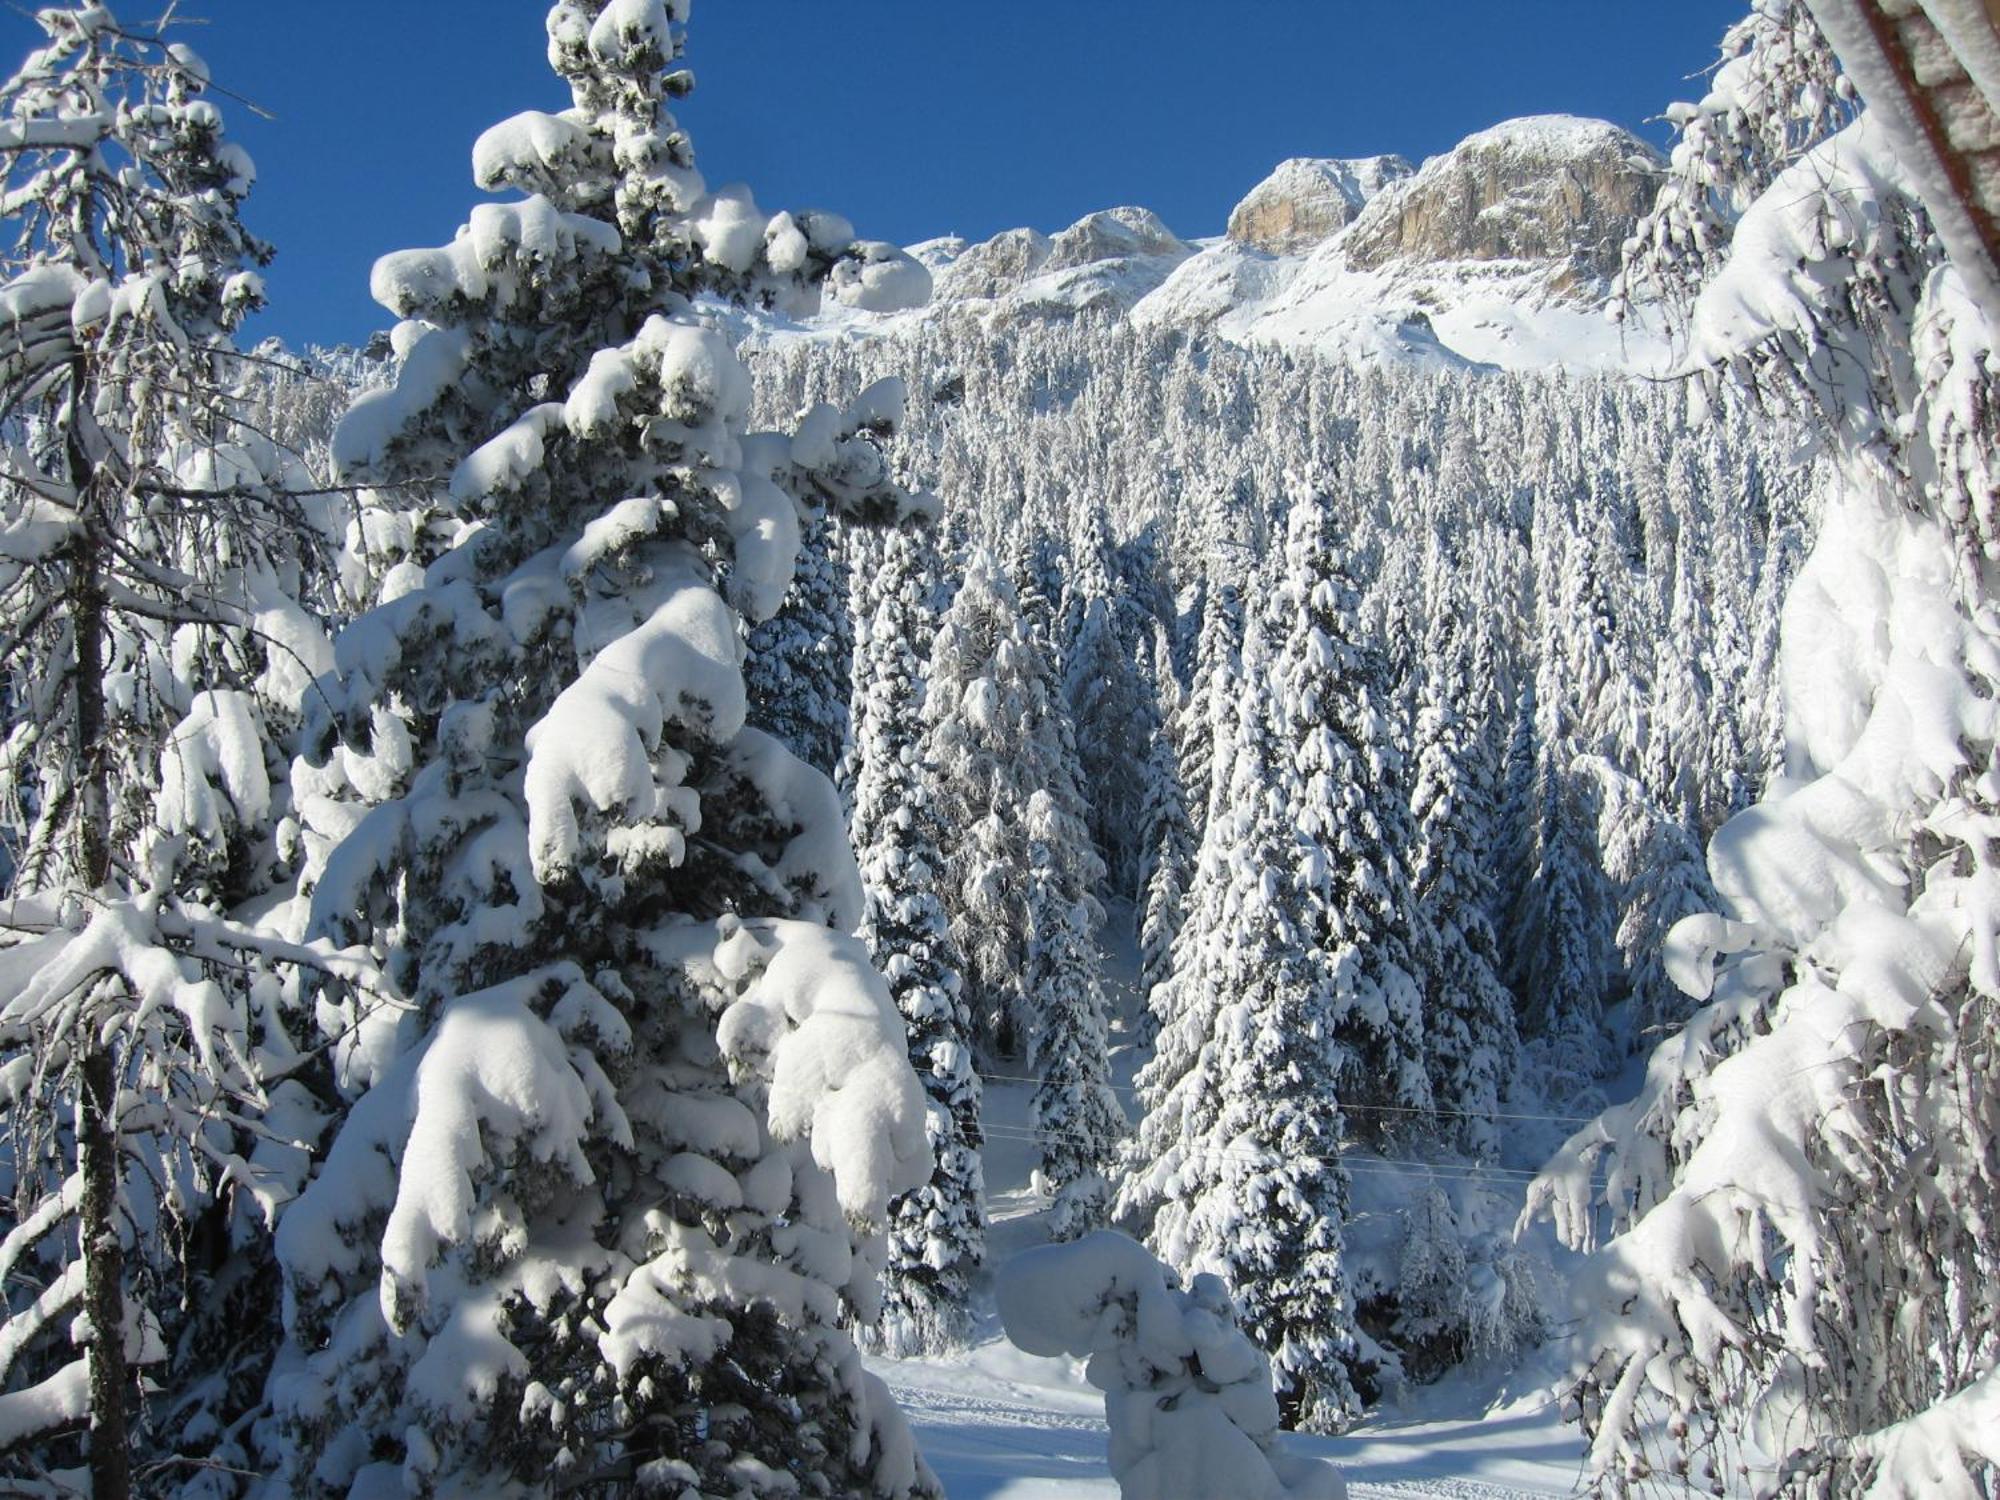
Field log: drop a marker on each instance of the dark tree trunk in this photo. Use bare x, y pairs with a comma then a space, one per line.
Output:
103, 1282
97, 1126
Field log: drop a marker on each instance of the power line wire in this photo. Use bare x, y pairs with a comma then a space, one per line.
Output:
1367, 1165
1358, 1109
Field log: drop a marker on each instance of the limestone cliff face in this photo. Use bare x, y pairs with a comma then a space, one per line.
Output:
1550, 188
1309, 199
995, 267
1499, 252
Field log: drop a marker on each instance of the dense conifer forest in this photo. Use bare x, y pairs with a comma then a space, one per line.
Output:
738, 861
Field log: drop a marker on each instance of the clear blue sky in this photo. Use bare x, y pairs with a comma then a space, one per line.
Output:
912, 117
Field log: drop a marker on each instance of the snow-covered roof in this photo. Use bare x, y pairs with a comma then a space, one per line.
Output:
1930, 70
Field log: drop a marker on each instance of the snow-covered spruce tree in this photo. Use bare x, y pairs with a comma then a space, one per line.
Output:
1691, 742
801, 658
1085, 573
869, 586
974, 715
1514, 864
1471, 1047
1037, 563
1204, 728
1168, 839
1430, 1328
1802, 1195
616, 1164
998, 735
1069, 1035
1655, 866
148, 568
1564, 963
1074, 1108
1184, 1002
1341, 779
1006, 768
937, 1232
385, 536
1563, 957
1105, 639
1113, 709
1461, 1294
1235, 1168
1382, 564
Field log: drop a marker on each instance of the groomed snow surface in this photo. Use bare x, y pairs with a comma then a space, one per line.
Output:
998, 1424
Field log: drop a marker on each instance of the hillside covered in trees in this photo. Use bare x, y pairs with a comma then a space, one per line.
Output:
737, 854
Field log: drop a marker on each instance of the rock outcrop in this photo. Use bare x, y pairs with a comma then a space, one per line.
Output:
1553, 189
1307, 200
1106, 260
1497, 253
1115, 234
995, 267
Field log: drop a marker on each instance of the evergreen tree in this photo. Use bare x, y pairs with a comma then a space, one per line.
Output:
868, 587
1342, 781
1236, 1165
1800, 1262
1169, 840
1184, 1003
1471, 1047
977, 710
1565, 964
1105, 639
999, 734
1074, 1108
1430, 1287
1564, 972
1036, 565
1205, 726
937, 1233
617, 1158
1087, 578
1007, 768
150, 567
801, 658
1660, 877
1516, 837
1114, 712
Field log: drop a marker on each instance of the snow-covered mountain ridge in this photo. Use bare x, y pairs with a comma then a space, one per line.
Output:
1500, 252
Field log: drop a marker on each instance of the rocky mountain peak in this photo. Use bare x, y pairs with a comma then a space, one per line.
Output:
992, 268
1114, 234
1309, 199
1107, 259
1498, 252
1549, 188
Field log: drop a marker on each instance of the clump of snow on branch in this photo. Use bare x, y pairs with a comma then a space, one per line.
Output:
1187, 1395
1799, 1271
